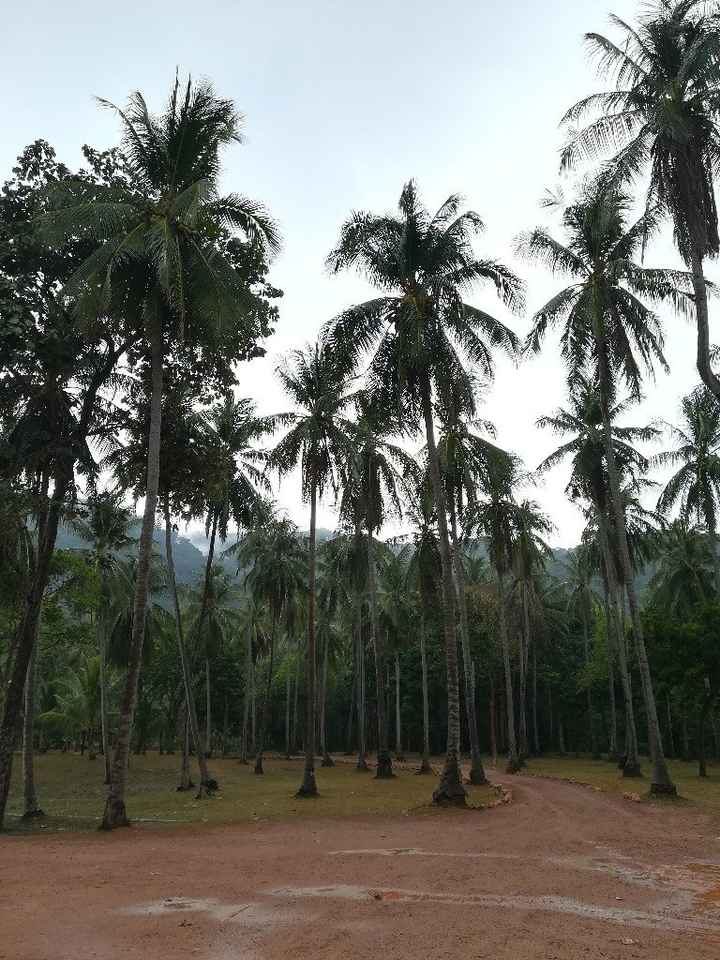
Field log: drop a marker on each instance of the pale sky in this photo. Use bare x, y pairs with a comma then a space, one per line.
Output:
343, 104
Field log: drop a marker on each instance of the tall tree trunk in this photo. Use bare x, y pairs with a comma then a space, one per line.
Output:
477, 771
288, 686
26, 632
591, 719
524, 647
702, 315
513, 762
308, 787
247, 695
208, 711
450, 790
398, 728
362, 764
493, 722
327, 760
631, 760
660, 782
31, 805
351, 711
702, 724
185, 777
384, 763
206, 780
100, 625
671, 736
536, 729
265, 708
612, 737
295, 723
115, 814
425, 762
561, 736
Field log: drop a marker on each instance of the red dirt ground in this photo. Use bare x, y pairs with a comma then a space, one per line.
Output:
562, 873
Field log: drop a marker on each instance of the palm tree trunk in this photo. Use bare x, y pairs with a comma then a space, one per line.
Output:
425, 763
612, 739
513, 762
27, 629
115, 814
287, 713
398, 727
265, 708
384, 762
493, 722
208, 711
247, 695
702, 315
450, 790
308, 787
524, 657
327, 760
102, 654
184, 724
31, 806
477, 771
591, 719
351, 711
536, 729
660, 782
295, 735
206, 781
362, 764
671, 736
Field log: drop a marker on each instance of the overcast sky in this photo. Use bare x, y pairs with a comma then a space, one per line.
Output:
343, 103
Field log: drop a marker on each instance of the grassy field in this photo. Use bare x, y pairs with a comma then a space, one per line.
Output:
703, 792
71, 793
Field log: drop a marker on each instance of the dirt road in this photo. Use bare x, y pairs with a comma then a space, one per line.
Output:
563, 872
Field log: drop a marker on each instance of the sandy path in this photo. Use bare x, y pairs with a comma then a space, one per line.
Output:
563, 872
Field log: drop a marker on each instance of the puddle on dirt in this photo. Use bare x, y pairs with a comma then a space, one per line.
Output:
550, 904
254, 915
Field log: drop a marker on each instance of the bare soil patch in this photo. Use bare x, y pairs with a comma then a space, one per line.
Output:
561, 873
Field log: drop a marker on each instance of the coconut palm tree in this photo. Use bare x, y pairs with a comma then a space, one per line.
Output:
106, 526
530, 555
375, 478
317, 381
586, 447
467, 461
495, 519
696, 485
275, 560
422, 333
158, 240
608, 329
684, 573
663, 115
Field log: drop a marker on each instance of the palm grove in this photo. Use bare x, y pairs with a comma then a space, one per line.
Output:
131, 289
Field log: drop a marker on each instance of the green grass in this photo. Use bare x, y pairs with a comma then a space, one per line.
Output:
705, 792
72, 794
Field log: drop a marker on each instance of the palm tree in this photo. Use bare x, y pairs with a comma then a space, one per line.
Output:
495, 519
697, 452
530, 554
374, 479
684, 573
589, 482
422, 333
158, 241
582, 600
610, 331
317, 381
78, 702
274, 554
213, 601
106, 528
467, 462
663, 114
